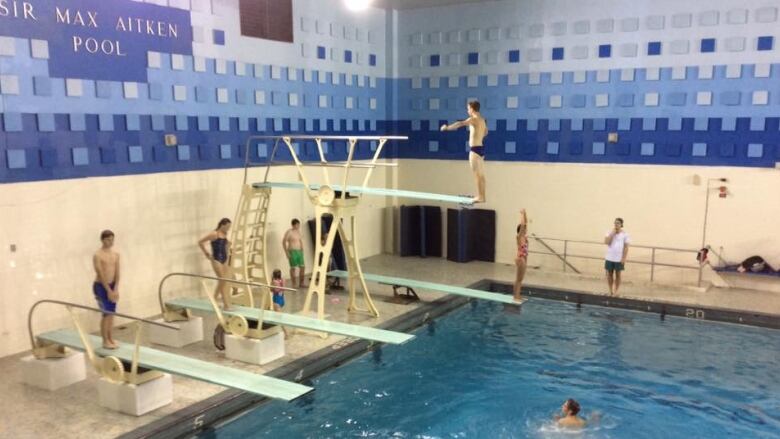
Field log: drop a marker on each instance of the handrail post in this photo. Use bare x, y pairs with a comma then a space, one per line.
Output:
652, 264
565, 250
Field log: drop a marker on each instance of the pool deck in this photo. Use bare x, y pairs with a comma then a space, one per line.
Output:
74, 412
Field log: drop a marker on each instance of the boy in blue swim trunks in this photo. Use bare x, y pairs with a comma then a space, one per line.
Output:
278, 293
106, 285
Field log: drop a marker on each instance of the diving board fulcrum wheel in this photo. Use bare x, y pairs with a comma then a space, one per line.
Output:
113, 369
237, 325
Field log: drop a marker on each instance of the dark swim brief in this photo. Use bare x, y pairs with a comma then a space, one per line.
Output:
279, 300
478, 150
101, 295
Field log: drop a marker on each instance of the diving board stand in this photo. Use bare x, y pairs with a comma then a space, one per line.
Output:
340, 200
136, 379
449, 289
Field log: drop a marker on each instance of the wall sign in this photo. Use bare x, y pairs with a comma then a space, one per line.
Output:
98, 39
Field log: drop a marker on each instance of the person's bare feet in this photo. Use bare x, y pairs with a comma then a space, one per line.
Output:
518, 298
110, 345
478, 200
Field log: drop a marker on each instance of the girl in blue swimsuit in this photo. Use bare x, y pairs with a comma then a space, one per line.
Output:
219, 257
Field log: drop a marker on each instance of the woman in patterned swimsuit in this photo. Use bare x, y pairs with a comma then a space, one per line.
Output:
521, 259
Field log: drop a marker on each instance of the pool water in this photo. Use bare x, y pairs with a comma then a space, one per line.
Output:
483, 372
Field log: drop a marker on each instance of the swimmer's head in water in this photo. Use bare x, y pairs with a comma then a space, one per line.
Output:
473, 107
571, 407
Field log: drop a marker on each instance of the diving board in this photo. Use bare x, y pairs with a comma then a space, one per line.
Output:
373, 191
185, 366
460, 291
297, 321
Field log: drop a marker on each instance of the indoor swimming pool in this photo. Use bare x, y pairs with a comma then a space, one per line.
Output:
486, 372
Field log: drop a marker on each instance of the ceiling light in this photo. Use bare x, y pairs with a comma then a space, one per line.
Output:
357, 5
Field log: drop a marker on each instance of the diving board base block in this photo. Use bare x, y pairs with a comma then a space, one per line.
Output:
253, 350
54, 373
138, 399
190, 331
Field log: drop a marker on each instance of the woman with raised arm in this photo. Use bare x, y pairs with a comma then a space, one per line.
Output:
521, 259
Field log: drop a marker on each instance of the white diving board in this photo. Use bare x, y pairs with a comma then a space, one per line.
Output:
298, 321
460, 291
186, 366
374, 191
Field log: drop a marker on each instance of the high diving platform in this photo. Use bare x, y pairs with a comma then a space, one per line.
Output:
335, 195
449, 289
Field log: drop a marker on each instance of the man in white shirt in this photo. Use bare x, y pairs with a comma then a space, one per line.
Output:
617, 241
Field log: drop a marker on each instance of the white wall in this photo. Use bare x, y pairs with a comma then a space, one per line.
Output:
157, 218
660, 205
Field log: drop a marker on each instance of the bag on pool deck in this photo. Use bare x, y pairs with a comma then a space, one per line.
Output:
755, 264
219, 337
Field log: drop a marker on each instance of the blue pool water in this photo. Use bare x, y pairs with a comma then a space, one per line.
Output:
481, 372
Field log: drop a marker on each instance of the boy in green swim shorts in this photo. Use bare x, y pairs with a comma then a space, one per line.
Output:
293, 248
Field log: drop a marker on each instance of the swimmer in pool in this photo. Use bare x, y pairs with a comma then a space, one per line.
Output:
570, 409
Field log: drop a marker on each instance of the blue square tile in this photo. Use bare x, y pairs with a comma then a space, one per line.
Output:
554, 125
579, 101
605, 50
532, 124
103, 89
648, 124
17, 158
624, 124
41, 86
699, 150
435, 60
647, 149
577, 124
321, 53
510, 147
219, 37
242, 97
80, 156
225, 151
626, 100
765, 43
201, 94
107, 155
372, 59
77, 122
203, 123
514, 56
728, 124
433, 146
243, 124
183, 152
557, 53
757, 124
45, 122
676, 99
731, 98
12, 122
348, 56
755, 150
727, 150
160, 154
473, 58
155, 91
106, 122
132, 122
552, 148
533, 101
158, 122
48, 158
135, 154
654, 48
701, 124
224, 123
182, 122
674, 123
262, 150
599, 148
599, 124
707, 45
